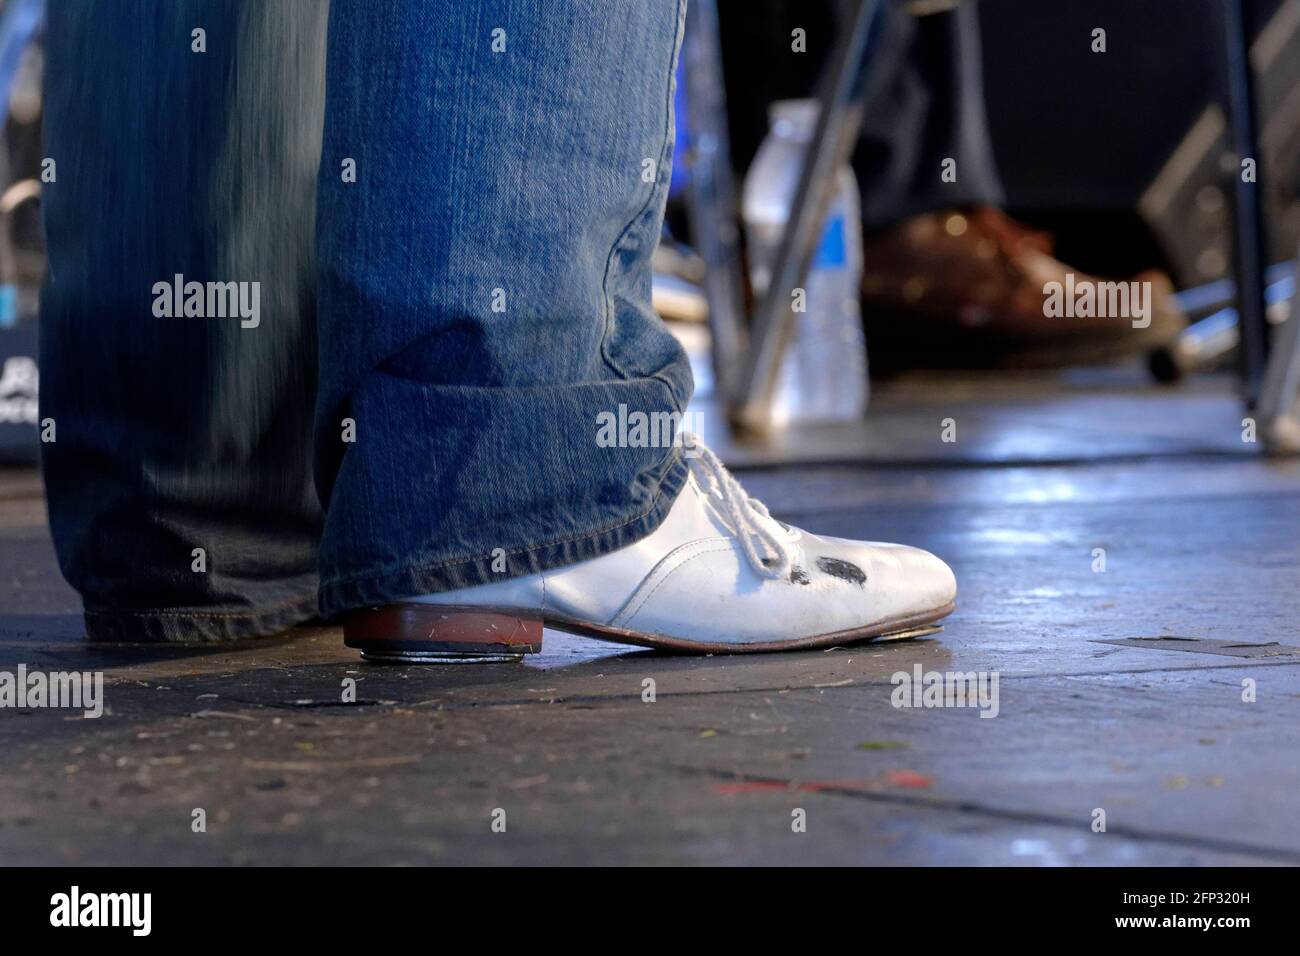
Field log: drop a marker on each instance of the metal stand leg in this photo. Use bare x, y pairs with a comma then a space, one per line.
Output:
1249, 240
747, 360
832, 142
711, 196
1270, 371
1278, 409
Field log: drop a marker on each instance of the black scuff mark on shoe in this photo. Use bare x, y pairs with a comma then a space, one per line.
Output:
844, 570
799, 576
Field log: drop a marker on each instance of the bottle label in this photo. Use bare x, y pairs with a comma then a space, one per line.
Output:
830, 252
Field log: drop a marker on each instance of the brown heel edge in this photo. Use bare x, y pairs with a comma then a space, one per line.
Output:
443, 633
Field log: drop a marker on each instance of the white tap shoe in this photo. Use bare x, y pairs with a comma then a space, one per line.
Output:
718, 576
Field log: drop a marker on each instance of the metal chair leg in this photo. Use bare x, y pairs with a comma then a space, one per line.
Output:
1278, 409
711, 195
837, 128
1249, 238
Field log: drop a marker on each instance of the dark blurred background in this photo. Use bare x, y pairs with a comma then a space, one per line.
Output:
1081, 139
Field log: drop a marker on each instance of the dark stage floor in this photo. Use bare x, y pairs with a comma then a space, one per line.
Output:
1202, 543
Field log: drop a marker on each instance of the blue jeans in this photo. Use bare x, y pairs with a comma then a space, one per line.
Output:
438, 217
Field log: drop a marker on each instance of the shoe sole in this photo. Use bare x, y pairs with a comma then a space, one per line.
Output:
452, 634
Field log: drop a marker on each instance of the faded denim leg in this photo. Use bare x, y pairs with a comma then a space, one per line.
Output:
483, 292
491, 189
179, 480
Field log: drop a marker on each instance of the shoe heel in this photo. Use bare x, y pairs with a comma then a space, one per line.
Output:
443, 633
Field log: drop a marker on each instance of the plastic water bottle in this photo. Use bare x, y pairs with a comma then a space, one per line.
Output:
823, 374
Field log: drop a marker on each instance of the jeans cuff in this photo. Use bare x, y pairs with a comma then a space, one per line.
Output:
386, 587
197, 625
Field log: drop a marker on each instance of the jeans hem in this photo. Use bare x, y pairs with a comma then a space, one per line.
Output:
380, 588
196, 625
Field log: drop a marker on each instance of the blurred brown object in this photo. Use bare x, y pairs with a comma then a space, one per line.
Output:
970, 289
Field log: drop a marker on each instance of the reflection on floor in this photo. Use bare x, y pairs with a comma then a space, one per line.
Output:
1187, 749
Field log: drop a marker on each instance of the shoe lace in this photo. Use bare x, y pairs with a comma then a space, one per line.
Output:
740, 512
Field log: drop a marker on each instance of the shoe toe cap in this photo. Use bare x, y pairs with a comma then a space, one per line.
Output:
903, 580
927, 578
